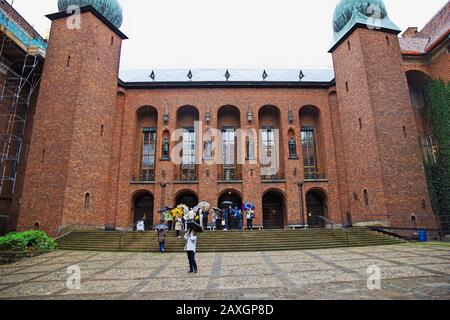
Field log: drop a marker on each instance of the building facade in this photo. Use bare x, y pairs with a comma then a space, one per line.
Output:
307, 147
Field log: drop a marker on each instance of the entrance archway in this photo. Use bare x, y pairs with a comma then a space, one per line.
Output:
316, 207
143, 209
273, 210
188, 198
232, 196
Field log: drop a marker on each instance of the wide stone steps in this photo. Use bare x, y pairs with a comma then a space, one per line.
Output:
267, 240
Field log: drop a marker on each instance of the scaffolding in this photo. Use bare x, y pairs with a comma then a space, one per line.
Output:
20, 80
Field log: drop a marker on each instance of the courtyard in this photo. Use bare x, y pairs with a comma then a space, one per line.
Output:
409, 271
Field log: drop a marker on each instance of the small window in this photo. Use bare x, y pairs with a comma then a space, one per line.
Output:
43, 155
355, 196
112, 40
360, 124
388, 41
346, 86
68, 62
102, 129
405, 133
87, 200
349, 45
366, 197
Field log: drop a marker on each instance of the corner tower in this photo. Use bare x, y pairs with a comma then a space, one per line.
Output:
385, 173
66, 180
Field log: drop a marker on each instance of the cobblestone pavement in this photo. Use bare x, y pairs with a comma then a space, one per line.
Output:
408, 271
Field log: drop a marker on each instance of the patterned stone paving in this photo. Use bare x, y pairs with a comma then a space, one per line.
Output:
408, 271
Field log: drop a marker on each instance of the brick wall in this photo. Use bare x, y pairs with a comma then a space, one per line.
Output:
68, 157
392, 169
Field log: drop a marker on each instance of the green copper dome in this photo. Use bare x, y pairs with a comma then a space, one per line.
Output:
372, 13
110, 9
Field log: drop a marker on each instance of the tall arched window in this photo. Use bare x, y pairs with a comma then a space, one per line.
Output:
147, 123
310, 125
87, 200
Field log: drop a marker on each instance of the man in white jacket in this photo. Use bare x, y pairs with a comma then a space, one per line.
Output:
190, 248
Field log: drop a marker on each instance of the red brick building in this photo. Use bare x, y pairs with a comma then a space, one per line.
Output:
345, 142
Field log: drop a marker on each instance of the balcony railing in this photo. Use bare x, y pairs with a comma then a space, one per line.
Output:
148, 176
186, 174
311, 175
230, 173
273, 178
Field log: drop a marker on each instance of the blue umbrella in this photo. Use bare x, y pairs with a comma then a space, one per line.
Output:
248, 206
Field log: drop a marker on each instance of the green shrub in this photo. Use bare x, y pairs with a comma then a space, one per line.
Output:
23, 241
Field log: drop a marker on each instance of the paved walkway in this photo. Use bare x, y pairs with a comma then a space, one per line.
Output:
408, 272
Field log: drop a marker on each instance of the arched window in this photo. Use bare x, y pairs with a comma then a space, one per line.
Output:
313, 160
147, 120
87, 200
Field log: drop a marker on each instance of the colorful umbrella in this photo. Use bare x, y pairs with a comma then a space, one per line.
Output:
248, 206
178, 212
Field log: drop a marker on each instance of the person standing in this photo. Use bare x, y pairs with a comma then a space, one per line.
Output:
250, 217
214, 220
239, 218
162, 240
225, 218
190, 248
178, 227
205, 219
232, 216
169, 220
191, 216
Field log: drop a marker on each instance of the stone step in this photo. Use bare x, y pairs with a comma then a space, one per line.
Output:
266, 240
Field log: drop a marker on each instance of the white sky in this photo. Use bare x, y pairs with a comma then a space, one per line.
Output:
230, 33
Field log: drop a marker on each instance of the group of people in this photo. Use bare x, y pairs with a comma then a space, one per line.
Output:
227, 219
233, 219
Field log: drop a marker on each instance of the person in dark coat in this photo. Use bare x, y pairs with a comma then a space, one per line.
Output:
162, 234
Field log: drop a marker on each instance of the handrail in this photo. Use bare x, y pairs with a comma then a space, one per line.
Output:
333, 223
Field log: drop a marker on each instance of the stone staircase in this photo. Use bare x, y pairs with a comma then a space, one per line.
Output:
232, 241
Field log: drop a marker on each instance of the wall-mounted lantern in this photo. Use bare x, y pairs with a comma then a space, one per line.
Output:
290, 117
166, 117
249, 116
208, 117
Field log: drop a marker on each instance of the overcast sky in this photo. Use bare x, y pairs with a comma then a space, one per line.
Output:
230, 33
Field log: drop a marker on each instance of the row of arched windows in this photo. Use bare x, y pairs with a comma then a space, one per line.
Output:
229, 120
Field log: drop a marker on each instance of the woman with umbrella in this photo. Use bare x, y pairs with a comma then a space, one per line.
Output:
191, 245
250, 214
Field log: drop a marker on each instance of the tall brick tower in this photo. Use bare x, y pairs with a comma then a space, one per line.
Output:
66, 180
385, 173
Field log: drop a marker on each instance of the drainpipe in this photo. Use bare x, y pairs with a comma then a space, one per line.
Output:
300, 185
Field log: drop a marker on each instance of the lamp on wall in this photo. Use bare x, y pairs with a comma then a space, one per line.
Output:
290, 117
249, 116
166, 117
208, 117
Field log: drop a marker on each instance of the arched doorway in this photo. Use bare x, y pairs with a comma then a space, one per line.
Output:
188, 198
232, 196
316, 208
143, 209
273, 210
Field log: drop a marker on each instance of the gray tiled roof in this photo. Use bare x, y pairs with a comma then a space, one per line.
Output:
218, 75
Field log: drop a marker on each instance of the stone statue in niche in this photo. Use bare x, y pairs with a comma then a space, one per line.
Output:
165, 148
292, 148
208, 149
